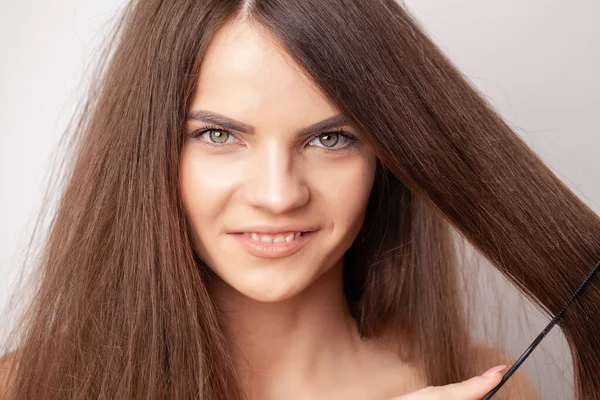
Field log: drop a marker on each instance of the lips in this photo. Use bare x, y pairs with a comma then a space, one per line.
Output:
275, 229
265, 249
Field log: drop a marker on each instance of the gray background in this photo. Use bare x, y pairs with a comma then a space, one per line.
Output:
537, 61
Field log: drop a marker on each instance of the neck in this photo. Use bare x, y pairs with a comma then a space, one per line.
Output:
298, 339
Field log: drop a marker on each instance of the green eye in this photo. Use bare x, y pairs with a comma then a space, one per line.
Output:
329, 139
335, 140
217, 136
214, 136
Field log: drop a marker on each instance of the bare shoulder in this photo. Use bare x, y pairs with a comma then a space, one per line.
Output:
518, 387
7, 362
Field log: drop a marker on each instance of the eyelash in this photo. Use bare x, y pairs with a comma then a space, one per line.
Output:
351, 139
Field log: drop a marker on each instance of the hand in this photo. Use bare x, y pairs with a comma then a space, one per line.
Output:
471, 389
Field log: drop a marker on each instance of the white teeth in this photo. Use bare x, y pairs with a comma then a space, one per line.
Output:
266, 239
270, 239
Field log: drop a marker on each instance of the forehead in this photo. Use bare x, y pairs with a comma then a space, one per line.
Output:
246, 73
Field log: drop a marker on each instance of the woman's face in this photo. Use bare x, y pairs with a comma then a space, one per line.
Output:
273, 174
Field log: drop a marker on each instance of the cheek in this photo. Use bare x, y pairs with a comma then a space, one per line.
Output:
205, 186
346, 188
203, 176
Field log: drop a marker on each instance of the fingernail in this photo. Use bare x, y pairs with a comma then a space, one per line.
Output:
494, 370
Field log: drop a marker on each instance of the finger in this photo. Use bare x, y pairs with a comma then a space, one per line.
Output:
476, 387
470, 389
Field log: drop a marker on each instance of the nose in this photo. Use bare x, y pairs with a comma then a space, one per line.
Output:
274, 182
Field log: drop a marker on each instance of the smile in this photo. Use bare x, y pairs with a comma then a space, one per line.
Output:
273, 246
279, 238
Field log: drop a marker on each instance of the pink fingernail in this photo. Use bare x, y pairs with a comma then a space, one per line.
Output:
494, 370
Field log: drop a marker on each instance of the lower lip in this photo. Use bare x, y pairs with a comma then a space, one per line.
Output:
273, 250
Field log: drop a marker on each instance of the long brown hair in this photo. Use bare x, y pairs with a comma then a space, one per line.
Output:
121, 309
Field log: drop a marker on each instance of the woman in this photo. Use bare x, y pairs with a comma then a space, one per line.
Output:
261, 206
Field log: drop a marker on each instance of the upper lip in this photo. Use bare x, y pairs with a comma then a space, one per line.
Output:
266, 229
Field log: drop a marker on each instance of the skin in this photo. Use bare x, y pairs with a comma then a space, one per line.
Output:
288, 316
292, 334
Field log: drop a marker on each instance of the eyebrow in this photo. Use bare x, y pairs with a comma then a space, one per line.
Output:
228, 123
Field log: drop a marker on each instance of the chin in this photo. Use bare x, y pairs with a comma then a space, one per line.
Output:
270, 289
270, 284
269, 295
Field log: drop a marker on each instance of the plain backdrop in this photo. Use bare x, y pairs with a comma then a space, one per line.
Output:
536, 60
